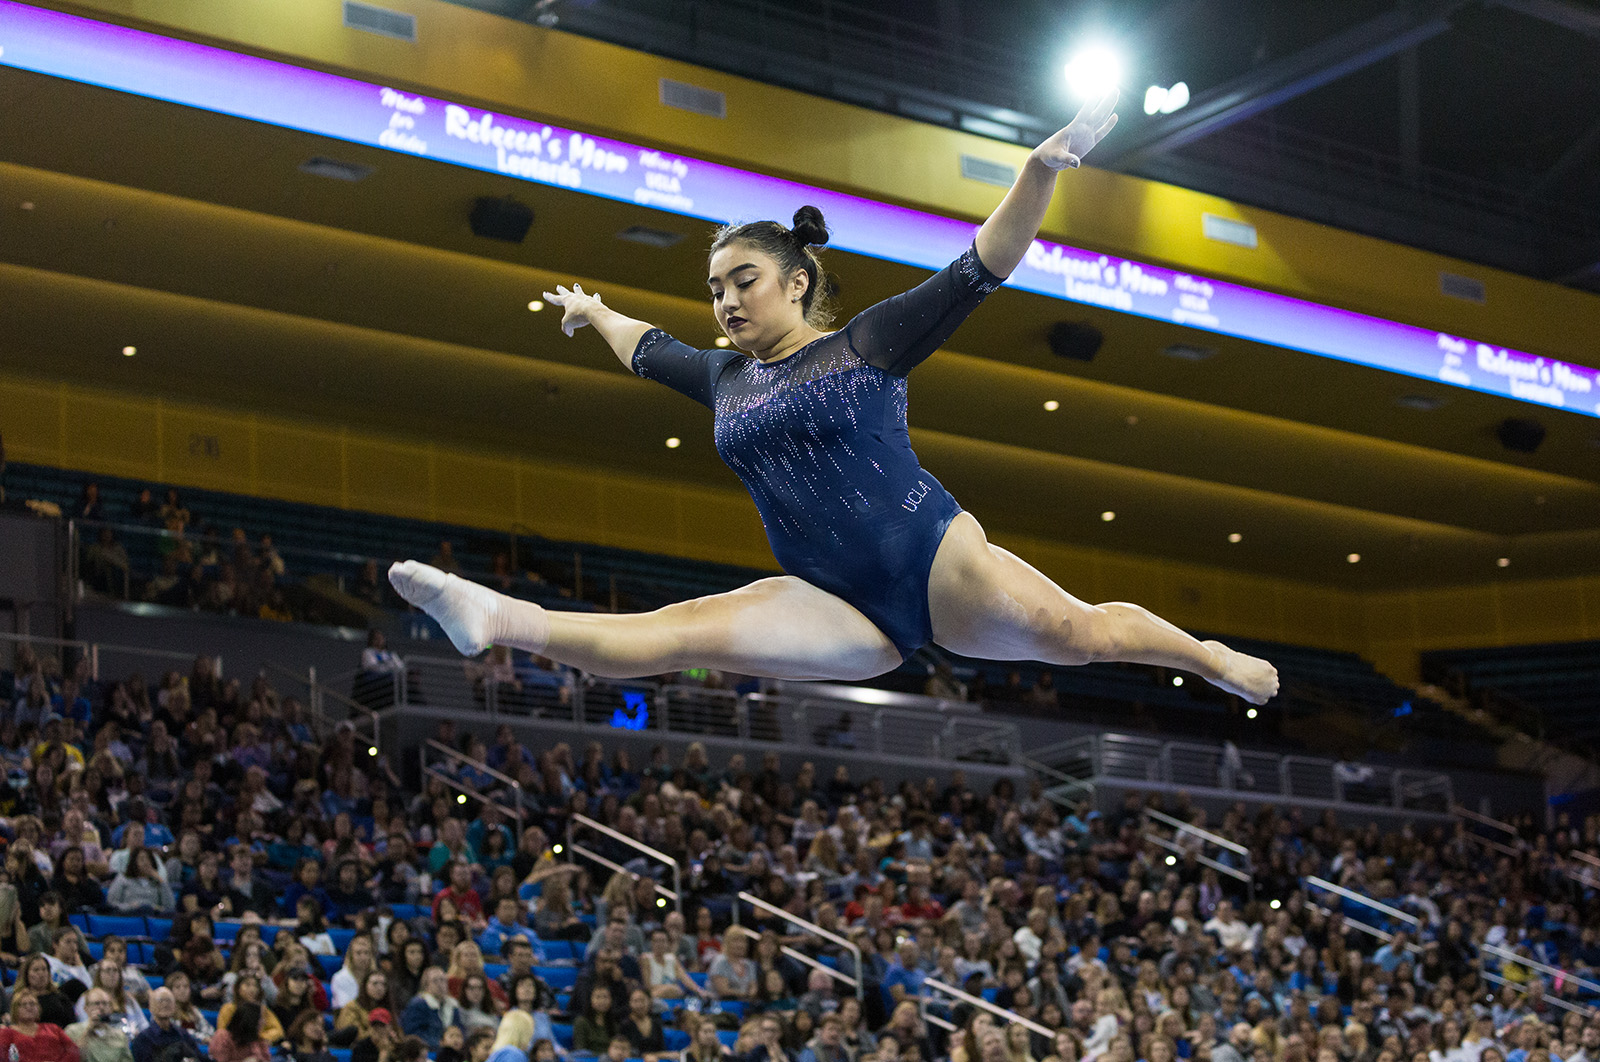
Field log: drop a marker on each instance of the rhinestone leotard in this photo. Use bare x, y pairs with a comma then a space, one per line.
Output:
820, 441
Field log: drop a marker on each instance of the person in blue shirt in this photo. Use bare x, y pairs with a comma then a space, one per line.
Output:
880, 559
307, 882
1393, 952
506, 924
904, 977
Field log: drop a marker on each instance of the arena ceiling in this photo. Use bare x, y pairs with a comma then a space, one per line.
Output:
249, 283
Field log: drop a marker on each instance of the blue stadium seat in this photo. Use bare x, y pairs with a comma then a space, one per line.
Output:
269, 932
116, 925
703, 980
558, 976
729, 1037
210, 1016
79, 920
407, 911
675, 1039
330, 964
96, 949
340, 1054
495, 970
563, 1035
341, 938
158, 928
221, 931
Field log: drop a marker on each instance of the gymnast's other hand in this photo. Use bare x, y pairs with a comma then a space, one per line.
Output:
1067, 147
577, 305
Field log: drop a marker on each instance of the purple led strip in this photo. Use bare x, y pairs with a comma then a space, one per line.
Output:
213, 79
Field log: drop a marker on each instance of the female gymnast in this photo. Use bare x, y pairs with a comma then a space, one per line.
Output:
880, 558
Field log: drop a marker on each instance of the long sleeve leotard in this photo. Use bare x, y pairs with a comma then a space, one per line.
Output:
820, 441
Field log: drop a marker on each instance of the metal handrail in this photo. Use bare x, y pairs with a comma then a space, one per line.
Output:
618, 868
93, 649
1216, 839
1371, 931
1011, 1017
471, 793
1548, 998
1340, 890
810, 927
1205, 861
1535, 964
800, 956
477, 765
1503, 849
640, 846
1465, 813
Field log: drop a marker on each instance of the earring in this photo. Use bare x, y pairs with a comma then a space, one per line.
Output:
795, 299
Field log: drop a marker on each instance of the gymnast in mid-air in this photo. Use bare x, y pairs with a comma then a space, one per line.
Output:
880, 559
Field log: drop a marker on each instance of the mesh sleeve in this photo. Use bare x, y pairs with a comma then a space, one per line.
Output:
681, 367
900, 332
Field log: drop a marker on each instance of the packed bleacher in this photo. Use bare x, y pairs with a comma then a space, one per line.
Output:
192, 871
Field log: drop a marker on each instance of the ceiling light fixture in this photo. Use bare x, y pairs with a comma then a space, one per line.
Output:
674, 442
1108, 516
1235, 538
1093, 71
128, 352
536, 305
1504, 562
1251, 714
1166, 100
1177, 680
723, 341
1051, 406
1354, 558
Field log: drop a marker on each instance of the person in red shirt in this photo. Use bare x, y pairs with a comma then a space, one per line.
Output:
33, 1040
461, 893
920, 907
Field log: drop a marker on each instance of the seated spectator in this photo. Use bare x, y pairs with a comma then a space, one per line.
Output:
595, 1026
100, 1035
504, 926
140, 889
513, 1039
239, 1039
249, 994
295, 999
309, 1039
55, 1005
66, 958
187, 1015
52, 917
479, 1010
164, 1039
360, 959
432, 1011
310, 929
641, 1029
31, 1039
732, 974
122, 1007
379, 1043
354, 1020
460, 892
664, 975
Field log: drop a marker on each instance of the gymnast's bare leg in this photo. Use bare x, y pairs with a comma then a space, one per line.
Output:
990, 604
781, 627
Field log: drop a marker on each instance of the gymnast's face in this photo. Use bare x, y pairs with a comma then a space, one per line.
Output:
753, 305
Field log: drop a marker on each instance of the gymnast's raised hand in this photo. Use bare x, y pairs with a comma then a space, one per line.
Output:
879, 559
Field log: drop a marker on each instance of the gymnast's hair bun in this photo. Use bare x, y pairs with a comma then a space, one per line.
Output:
809, 228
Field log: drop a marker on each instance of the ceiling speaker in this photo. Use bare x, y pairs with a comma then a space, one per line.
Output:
501, 219
1078, 340
1523, 436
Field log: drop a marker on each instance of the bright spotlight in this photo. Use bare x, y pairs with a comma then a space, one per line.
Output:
1235, 538
674, 442
1177, 680
462, 799
661, 901
1251, 714
1108, 516
1354, 558
1051, 406
373, 751
722, 341
536, 305
128, 352
1275, 904
1504, 562
556, 849
1166, 100
1172, 861
1093, 71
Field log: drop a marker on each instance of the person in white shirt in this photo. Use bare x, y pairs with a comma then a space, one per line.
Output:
1232, 931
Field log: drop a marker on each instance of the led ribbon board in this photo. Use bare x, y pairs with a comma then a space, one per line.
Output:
213, 79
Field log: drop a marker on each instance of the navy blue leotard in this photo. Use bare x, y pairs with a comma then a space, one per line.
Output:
820, 441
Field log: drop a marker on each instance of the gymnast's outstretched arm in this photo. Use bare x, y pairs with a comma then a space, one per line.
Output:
1004, 238
580, 308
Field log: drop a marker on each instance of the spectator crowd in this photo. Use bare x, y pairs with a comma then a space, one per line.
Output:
191, 869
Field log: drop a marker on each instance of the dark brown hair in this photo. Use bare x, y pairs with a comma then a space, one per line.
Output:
791, 249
